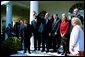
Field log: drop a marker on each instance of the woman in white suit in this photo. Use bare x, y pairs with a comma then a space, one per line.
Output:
76, 45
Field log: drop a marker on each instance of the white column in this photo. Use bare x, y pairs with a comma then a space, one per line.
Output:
33, 7
8, 15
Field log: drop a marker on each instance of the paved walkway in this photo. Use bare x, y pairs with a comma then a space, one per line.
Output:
36, 53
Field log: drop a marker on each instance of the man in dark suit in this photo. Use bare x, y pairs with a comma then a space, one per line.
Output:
27, 36
55, 33
76, 14
37, 39
46, 32
16, 29
21, 32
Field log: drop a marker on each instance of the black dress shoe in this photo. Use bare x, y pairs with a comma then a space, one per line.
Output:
47, 51
42, 50
58, 52
62, 53
29, 52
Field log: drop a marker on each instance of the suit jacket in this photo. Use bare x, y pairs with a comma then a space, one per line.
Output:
47, 27
27, 31
17, 27
35, 26
21, 30
55, 26
33, 23
42, 26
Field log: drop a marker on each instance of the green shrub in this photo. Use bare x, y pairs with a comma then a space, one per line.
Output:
12, 44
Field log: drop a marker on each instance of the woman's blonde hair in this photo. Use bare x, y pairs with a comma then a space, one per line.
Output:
77, 21
65, 17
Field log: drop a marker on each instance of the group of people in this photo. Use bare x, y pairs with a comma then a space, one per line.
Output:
22, 30
52, 33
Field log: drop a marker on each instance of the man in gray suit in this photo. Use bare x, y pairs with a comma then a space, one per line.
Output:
55, 33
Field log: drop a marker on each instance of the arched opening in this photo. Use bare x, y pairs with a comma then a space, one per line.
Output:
80, 6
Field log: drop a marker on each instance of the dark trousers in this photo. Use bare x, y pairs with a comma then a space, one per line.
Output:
56, 41
37, 41
49, 42
22, 39
68, 43
22, 42
27, 44
43, 41
64, 43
